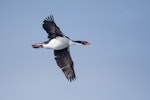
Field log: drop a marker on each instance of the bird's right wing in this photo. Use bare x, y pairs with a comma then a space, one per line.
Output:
65, 62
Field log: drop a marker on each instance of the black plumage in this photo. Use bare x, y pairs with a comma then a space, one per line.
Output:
62, 57
51, 28
60, 44
65, 62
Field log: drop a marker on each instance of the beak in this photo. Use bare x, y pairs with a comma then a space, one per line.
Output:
87, 43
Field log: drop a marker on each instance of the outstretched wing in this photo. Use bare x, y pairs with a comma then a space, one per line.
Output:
51, 28
65, 62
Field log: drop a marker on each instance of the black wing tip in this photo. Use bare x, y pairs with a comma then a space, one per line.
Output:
69, 75
49, 19
72, 79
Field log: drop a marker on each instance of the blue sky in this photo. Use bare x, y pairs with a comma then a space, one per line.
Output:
116, 66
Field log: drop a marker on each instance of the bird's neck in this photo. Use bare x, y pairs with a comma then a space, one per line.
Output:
75, 43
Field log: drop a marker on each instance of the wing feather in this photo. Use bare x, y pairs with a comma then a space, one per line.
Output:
51, 28
65, 62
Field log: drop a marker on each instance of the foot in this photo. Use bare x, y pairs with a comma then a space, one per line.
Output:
37, 45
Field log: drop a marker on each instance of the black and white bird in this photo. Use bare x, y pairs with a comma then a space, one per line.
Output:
60, 44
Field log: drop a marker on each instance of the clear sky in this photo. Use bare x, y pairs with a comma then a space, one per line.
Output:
116, 66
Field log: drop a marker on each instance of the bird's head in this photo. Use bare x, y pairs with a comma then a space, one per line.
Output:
85, 43
82, 42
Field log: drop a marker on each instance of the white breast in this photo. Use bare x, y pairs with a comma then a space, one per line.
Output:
57, 43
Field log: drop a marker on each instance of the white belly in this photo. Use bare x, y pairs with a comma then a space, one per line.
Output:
57, 43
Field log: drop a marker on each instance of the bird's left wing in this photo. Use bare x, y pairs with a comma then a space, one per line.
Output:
51, 28
65, 62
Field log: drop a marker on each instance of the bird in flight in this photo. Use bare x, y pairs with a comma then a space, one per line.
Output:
60, 44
